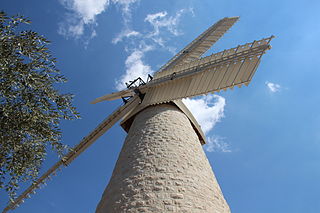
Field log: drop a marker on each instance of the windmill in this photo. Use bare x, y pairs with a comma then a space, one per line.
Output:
162, 166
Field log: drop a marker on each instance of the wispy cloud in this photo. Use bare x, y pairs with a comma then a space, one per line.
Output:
126, 32
217, 144
81, 16
137, 44
126, 6
162, 24
160, 20
273, 87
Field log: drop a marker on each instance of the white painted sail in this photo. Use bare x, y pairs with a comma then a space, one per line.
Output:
233, 52
204, 76
200, 45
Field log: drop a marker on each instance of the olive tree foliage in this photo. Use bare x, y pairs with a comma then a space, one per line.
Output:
30, 106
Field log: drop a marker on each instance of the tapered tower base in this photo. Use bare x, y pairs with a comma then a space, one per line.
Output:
162, 168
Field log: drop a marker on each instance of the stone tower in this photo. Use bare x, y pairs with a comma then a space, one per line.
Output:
162, 168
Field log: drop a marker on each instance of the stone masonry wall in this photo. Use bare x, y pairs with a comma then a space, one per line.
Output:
162, 168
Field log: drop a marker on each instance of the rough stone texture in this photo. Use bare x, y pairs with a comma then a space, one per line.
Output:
162, 168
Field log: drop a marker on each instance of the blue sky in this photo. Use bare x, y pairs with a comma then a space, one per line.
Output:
264, 139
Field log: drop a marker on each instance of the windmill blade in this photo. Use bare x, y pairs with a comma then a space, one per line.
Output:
78, 149
214, 57
222, 70
113, 96
191, 52
199, 45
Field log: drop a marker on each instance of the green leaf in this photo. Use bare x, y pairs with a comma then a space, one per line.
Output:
30, 107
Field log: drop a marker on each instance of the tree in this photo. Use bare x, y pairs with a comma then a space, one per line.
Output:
30, 106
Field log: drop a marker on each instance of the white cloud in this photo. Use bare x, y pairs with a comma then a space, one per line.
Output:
125, 5
135, 67
87, 9
273, 87
126, 33
160, 20
162, 24
208, 110
82, 15
126, 15
216, 144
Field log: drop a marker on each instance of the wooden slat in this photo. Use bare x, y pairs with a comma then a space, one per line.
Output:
212, 79
194, 85
156, 94
211, 73
147, 97
245, 47
170, 90
191, 85
161, 93
182, 87
202, 79
243, 70
236, 68
226, 76
217, 81
261, 42
255, 69
250, 68
187, 86
230, 51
